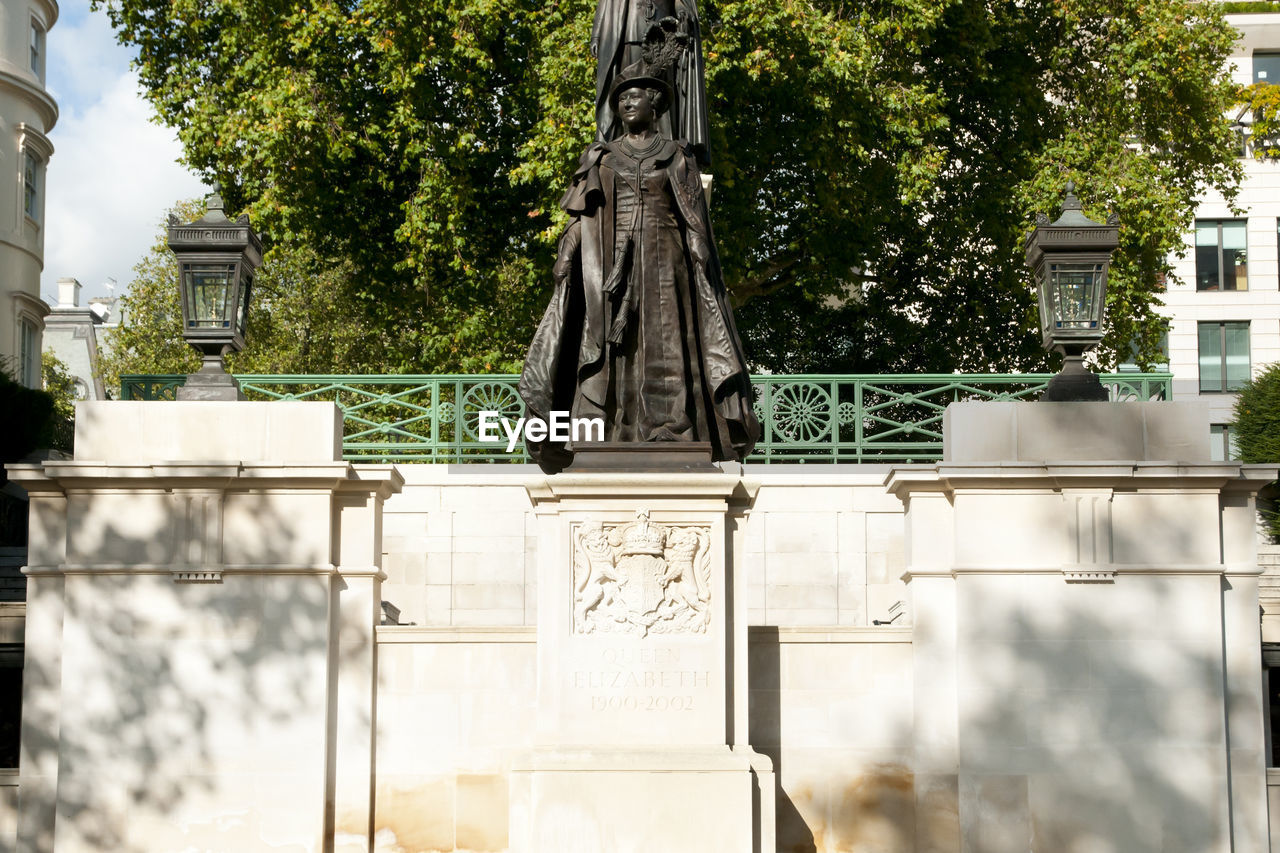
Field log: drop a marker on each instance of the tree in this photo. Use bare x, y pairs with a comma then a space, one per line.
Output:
1262, 103
1256, 430
302, 318
60, 385
876, 165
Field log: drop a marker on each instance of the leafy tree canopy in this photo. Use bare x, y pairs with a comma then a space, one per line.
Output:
1262, 104
1256, 431
877, 164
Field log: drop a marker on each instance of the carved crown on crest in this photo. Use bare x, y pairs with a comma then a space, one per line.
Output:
641, 537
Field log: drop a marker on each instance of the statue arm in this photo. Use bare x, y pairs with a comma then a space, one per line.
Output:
687, 184
605, 21
567, 252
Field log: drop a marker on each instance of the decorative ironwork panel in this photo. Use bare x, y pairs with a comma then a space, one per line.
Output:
805, 418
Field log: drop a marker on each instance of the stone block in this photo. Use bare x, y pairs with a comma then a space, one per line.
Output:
439, 568
133, 433
438, 605
994, 817
487, 569
414, 813
487, 596
479, 525
692, 802
409, 569
481, 812
800, 617
813, 569
873, 809
851, 603
800, 533
782, 596
494, 617
1082, 432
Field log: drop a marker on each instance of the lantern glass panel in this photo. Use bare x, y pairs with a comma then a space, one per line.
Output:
242, 322
210, 294
1075, 289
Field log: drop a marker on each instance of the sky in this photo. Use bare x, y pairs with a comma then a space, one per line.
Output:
114, 173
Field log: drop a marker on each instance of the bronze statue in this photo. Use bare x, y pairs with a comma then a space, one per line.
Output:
639, 331
626, 32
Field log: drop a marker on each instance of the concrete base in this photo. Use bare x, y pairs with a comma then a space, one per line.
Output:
639, 456
585, 801
642, 685
1076, 431
210, 387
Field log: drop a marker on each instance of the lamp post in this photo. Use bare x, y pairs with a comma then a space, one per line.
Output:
217, 258
1071, 258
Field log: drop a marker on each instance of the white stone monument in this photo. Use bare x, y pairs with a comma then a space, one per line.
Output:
642, 672
1087, 668
202, 590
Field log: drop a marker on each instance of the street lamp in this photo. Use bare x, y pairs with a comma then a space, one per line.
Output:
1071, 258
217, 258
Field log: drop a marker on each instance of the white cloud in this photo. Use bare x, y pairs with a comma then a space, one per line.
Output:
113, 173
112, 177
83, 56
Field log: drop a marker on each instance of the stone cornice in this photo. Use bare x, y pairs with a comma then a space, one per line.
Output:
34, 94
1049, 476
31, 305
34, 139
634, 486
50, 9
56, 477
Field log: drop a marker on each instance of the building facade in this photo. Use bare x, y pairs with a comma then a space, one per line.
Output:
71, 335
1223, 302
27, 114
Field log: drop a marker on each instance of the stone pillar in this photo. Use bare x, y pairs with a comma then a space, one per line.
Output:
204, 584
1084, 586
642, 644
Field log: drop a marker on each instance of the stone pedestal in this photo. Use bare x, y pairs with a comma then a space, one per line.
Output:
1084, 584
642, 672
203, 586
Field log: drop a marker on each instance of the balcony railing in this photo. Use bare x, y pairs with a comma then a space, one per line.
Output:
805, 419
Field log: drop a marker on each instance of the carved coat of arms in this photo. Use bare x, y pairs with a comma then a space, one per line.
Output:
641, 578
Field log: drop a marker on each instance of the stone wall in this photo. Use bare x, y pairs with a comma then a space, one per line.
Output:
831, 706
823, 546
1049, 641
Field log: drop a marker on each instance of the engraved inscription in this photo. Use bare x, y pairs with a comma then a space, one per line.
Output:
625, 681
641, 578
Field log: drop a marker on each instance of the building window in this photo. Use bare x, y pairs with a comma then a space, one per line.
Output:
31, 184
1130, 363
1266, 67
1221, 254
1222, 444
37, 49
1224, 356
28, 354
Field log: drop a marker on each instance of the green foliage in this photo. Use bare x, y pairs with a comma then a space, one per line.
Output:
1257, 429
877, 165
1245, 6
60, 385
1262, 101
28, 419
302, 318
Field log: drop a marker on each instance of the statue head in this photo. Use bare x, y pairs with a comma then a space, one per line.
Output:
636, 77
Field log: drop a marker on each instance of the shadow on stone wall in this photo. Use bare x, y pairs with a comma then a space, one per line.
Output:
200, 707
1088, 716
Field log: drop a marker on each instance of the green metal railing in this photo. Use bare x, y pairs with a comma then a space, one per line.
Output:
809, 418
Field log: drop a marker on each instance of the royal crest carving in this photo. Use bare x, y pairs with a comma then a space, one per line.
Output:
641, 578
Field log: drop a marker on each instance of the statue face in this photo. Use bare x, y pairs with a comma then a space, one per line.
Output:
635, 108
